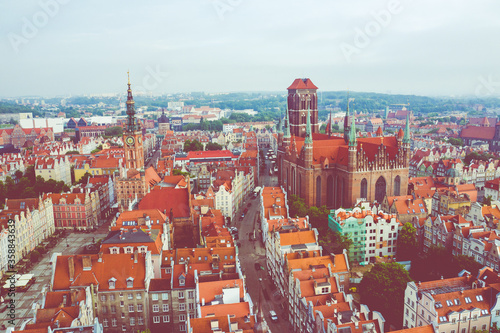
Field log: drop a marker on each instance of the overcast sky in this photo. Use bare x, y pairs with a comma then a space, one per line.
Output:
412, 47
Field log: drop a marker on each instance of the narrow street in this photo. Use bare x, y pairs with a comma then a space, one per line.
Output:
252, 252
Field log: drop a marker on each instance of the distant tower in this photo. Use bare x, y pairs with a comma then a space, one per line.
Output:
301, 97
132, 136
348, 122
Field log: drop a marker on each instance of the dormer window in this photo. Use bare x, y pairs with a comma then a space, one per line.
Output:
114, 250
129, 249
182, 280
130, 282
112, 283
142, 249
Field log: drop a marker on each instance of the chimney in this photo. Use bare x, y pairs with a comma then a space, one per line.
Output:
65, 299
71, 268
73, 297
86, 263
136, 255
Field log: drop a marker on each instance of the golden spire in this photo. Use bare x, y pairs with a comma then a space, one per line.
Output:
128, 75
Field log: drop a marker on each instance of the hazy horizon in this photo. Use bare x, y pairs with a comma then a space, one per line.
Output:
61, 47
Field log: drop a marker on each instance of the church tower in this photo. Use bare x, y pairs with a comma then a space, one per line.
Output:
132, 136
302, 96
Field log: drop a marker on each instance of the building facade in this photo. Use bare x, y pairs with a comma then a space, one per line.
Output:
336, 171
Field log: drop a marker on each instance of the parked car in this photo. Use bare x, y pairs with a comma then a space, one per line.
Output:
274, 317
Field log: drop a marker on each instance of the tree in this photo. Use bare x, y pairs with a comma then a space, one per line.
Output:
487, 200
72, 152
297, 206
18, 174
84, 178
113, 131
383, 288
456, 141
407, 242
213, 146
194, 145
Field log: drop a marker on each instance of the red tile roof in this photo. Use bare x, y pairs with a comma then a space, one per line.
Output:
166, 199
302, 84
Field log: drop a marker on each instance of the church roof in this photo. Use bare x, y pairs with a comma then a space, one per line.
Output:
302, 84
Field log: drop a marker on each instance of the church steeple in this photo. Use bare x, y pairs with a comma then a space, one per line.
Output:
347, 121
131, 123
280, 125
352, 136
287, 126
308, 139
406, 138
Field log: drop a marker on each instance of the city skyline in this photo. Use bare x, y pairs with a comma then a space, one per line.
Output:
56, 47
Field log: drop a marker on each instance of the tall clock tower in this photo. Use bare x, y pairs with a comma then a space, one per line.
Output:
132, 136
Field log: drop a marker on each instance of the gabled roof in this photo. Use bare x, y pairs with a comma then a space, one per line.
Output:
167, 199
119, 266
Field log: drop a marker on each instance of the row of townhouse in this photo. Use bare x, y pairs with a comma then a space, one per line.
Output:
312, 284
476, 242
229, 188
10, 163
76, 211
194, 283
373, 233
56, 168
464, 304
439, 230
106, 162
70, 310
33, 223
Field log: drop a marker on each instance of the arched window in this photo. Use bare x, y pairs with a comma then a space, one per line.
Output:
380, 189
364, 189
329, 192
300, 185
318, 191
397, 186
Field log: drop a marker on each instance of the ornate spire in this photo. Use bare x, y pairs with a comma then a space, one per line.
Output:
287, 126
280, 125
406, 138
347, 120
308, 139
131, 126
352, 135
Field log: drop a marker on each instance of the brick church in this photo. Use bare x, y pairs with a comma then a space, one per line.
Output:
337, 170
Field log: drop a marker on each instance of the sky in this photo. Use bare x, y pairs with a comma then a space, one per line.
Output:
69, 47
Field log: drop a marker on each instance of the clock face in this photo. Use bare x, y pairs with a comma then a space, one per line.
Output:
130, 140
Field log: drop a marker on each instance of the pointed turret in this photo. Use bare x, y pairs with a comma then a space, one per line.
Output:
347, 121
352, 136
280, 126
406, 138
130, 107
287, 127
308, 139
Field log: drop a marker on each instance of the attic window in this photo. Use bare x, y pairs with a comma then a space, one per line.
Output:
468, 300
182, 280
112, 283
479, 298
130, 282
